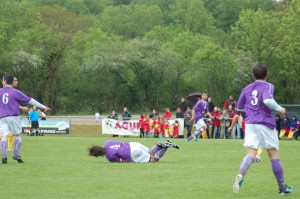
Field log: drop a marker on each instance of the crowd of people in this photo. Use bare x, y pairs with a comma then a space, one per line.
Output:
217, 125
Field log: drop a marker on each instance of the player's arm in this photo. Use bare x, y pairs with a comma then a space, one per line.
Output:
39, 105
193, 116
209, 115
272, 104
233, 122
24, 109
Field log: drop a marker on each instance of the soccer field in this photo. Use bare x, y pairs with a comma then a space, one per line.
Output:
58, 167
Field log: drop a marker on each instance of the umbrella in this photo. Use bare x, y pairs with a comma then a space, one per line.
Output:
193, 97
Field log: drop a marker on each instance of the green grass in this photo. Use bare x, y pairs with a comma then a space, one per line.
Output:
58, 167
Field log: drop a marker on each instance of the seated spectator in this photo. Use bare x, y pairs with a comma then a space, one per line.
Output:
278, 121
297, 131
284, 126
293, 127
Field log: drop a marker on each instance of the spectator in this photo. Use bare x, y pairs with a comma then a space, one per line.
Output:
211, 105
146, 125
166, 128
284, 126
126, 116
297, 131
236, 129
153, 114
167, 114
183, 105
293, 127
179, 113
131, 151
34, 118
187, 123
176, 129
141, 121
114, 116
278, 122
216, 123
230, 101
224, 123
240, 122
156, 126
161, 128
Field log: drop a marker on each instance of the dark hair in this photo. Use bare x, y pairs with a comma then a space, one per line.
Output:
96, 151
260, 71
8, 78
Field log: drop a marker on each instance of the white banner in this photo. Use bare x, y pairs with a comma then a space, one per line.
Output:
131, 127
49, 126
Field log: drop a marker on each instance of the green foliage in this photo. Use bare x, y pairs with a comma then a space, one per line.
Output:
94, 56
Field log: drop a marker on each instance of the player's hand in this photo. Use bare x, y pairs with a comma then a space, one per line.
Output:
230, 129
191, 120
47, 109
282, 112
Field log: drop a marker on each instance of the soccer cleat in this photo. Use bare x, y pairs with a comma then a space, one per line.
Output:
4, 160
172, 144
18, 158
167, 144
195, 139
288, 190
237, 184
258, 159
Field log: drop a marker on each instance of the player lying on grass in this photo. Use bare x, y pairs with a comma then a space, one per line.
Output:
233, 122
116, 151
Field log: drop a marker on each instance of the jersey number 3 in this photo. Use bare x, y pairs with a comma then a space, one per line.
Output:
254, 100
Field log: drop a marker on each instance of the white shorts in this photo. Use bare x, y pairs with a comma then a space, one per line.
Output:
259, 135
139, 153
200, 124
10, 124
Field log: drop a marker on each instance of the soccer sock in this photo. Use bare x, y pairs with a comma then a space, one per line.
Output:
154, 149
17, 146
245, 164
198, 132
159, 154
4, 148
259, 151
278, 172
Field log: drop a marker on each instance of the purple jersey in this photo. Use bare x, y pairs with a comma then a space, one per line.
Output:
252, 100
200, 109
10, 101
117, 151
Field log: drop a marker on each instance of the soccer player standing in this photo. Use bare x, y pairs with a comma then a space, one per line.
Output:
10, 119
257, 101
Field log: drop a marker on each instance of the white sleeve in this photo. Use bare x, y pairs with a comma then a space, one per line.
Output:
33, 102
272, 104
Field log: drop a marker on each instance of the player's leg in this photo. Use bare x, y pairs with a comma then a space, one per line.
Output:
4, 132
10, 142
3, 145
278, 172
200, 126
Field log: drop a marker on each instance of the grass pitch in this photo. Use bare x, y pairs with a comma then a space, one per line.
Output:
58, 167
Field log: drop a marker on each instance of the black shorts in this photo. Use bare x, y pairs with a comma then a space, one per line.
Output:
34, 124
